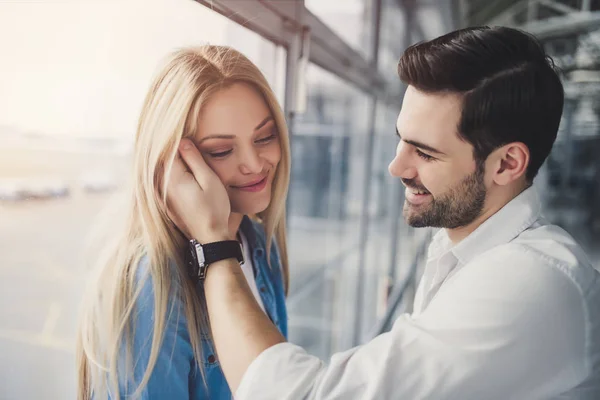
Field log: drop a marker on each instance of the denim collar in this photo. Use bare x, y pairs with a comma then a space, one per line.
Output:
254, 241
264, 278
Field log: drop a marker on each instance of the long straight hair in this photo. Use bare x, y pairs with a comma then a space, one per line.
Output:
187, 80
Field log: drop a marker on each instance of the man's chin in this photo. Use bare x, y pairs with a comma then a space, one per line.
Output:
413, 219
416, 223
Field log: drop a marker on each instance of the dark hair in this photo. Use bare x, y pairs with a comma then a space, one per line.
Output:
510, 87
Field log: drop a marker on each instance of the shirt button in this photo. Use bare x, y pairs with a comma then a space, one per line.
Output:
211, 359
263, 289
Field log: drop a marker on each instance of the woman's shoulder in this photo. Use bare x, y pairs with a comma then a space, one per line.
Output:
144, 285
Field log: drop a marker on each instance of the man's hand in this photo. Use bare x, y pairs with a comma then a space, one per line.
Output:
197, 201
198, 204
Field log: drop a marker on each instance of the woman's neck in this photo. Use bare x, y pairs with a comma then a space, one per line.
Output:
235, 220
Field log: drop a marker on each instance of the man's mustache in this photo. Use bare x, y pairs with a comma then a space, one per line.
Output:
410, 183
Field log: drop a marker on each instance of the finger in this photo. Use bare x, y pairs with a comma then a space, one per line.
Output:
176, 172
194, 161
178, 167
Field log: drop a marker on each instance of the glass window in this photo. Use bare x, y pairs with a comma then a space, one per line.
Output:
382, 201
73, 80
350, 19
325, 204
393, 39
403, 26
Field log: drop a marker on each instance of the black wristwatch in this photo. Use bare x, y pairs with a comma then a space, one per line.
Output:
200, 256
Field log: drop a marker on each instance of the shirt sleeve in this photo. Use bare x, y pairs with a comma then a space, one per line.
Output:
171, 373
495, 330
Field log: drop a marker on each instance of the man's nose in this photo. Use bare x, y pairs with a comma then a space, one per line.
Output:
401, 166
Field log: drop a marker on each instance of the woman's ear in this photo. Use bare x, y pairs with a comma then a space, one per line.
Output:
510, 163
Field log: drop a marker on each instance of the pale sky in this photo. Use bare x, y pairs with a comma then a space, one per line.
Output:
82, 67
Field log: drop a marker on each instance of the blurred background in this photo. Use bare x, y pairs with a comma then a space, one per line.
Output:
73, 74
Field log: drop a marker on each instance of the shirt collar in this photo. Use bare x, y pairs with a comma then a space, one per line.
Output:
440, 244
506, 224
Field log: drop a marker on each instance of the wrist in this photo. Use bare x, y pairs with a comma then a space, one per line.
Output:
205, 256
223, 268
212, 236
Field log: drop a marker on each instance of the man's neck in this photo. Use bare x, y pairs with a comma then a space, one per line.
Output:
459, 234
494, 202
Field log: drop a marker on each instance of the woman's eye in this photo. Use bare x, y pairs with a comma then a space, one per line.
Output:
267, 139
424, 156
220, 154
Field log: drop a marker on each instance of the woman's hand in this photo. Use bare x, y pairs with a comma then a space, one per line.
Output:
197, 201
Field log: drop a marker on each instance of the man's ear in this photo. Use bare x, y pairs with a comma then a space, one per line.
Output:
509, 163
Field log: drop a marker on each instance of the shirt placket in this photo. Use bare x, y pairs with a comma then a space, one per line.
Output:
445, 264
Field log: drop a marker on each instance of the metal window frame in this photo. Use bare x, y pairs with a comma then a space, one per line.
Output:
286, 23
281, 22
573, 20
368, 167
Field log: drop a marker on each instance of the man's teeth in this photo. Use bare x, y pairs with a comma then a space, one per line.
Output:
419, 192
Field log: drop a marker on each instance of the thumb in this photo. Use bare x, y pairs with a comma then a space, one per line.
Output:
198, 167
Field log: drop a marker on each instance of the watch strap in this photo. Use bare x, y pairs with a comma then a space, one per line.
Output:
217, 251
200, 256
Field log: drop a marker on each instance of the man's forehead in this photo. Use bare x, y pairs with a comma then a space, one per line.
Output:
432, 116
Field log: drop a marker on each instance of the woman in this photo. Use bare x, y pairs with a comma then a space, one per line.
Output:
144, 330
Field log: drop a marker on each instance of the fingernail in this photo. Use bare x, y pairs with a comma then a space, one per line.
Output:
185, 145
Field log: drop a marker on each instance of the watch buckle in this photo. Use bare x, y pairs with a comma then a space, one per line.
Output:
201, 261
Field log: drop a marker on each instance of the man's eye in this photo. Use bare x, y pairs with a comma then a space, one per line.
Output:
220, 154
424, 156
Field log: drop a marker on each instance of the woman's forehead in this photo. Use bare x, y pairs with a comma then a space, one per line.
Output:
233, 110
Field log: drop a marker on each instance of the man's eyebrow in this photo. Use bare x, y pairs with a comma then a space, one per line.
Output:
420, 145
225, 136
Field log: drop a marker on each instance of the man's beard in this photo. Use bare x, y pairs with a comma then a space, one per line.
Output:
458, 207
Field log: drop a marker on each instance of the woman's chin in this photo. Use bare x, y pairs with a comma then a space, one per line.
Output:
251, 208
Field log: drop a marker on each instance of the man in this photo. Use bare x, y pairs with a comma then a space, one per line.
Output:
508, 306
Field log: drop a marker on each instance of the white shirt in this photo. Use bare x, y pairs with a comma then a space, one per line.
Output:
248, 269
511, 312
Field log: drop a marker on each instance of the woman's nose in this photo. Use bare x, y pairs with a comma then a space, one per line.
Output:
251, 162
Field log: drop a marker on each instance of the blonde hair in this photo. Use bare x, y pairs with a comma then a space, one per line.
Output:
184, 84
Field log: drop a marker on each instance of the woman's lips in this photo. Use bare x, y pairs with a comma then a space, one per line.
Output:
253, 187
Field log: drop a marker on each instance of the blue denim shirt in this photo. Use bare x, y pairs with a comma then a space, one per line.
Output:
176, 375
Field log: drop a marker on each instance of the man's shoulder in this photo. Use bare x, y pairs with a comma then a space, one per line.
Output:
538, 274
545, 251
553, 244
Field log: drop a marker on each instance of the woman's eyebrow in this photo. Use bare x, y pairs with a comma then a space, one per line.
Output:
226, 136
218, 136
263, 122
